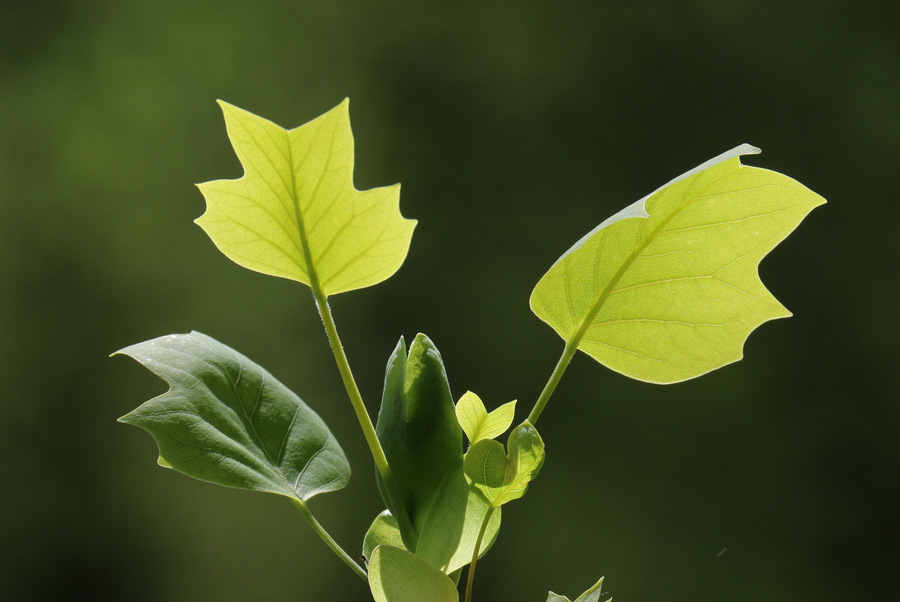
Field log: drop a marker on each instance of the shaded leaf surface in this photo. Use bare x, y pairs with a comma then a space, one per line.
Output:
668, 289
228, 421
295, 212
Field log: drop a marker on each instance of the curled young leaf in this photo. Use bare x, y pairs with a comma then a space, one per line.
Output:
418, 430
668, 289
295, 212
228, 421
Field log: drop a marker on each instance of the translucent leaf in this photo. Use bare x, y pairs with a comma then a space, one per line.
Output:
500, 476
668, 288
296, 214
382, 532
396, 575
451, 526
226, 420
477, 423
591, 595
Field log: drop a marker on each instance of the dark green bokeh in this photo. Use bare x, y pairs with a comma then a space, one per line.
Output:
514, 128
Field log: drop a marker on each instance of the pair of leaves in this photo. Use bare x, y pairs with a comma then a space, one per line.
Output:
667, 289
591, 595
228, 421
477, 423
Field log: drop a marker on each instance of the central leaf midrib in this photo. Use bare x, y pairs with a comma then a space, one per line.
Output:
298, 214
575, 341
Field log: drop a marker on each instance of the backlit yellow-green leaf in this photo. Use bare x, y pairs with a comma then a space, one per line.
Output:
477, 423
295, 212
668, 288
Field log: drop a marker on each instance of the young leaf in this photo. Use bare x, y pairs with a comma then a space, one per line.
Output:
591, 595
383, 531
418, 430
295, 212
477, 423
396, 575
503, 477
668, 289
451, 526
226, 420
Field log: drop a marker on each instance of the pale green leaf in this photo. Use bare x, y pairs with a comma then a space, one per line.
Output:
295, 212
451, 526
382, 532
591, 595
226, 420
477, 423
504, 476
396, 575
668, 289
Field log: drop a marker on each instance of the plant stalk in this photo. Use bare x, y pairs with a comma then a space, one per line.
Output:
359, 408
470, 578
329, 540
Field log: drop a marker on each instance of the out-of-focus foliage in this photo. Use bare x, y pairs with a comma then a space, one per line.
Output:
503, 123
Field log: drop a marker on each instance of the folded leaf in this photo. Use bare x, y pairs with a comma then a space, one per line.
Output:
477, 423
396, 575
592, 595
226, 420
668, 289
418, 430
500, 476
295, 212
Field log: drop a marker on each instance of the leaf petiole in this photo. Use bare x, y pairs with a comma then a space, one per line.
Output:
470, 578
555, 377
329, 540
359, 407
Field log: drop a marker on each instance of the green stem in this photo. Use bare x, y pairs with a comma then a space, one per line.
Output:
471, 576
561, 365
359, 407
329, 540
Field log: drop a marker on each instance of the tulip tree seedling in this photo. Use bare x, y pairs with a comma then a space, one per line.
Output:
663, 291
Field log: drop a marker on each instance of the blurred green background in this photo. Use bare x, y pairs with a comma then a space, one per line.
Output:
514, 128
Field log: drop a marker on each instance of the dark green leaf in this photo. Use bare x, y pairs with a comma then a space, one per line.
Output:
227, 421
418, 430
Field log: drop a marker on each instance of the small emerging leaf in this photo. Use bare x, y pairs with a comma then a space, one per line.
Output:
396, 575
591, 595
502, 477
227, 421
295, 212
383, 531
477, 423
668, 289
